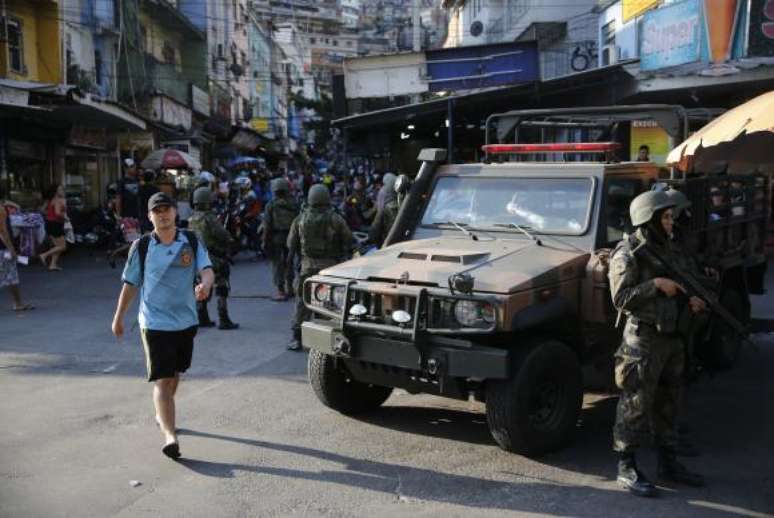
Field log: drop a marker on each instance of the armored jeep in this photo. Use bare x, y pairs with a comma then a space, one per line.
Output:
493, 284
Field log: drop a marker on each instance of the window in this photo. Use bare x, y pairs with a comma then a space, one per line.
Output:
312, 41
98, 67
15, 45
168, 53
619, 194
335, 43
608, 33
349, 44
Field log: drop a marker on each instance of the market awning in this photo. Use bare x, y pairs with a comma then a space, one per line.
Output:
85, 110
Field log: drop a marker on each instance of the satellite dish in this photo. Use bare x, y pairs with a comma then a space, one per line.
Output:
476, 28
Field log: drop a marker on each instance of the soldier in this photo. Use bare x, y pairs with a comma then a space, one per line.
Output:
217, 240
384, 218
649, 362
323, 239
277, 219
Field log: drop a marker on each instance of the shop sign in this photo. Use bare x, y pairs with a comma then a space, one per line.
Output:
200, 101
246, 140
25, 149
14, 96
135, 140
633, 8
650, 134
260, 124
760, 37
171, 112
88, 137
671, 36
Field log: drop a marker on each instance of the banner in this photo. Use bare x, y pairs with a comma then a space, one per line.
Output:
649, 133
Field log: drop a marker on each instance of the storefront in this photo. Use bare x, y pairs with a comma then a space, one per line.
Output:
27, 172
90, 166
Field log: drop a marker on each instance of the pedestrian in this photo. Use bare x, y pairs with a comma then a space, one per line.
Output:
384, 218
9, 273
55, 214
218, 242
146, 190
643, 153
162, 266
278, 216
129, 190
323, 239
388, 185
649, 363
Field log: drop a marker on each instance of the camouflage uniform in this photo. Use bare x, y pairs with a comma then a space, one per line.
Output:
323, 239
218, 242
649, 363
384, 220
278, 217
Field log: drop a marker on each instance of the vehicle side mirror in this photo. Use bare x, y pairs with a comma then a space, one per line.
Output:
402, 184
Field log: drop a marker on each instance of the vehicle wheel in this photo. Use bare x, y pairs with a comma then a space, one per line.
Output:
723, 346
537, 409
336, 389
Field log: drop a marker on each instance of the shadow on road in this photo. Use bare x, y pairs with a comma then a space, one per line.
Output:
409, 483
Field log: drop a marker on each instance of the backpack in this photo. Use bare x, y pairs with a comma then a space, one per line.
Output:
144, 242
317, 234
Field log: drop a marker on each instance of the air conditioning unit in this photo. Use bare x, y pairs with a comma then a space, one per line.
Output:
610, 55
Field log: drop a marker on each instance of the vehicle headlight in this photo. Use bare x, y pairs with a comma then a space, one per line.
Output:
339, 292
471, 313
322, 292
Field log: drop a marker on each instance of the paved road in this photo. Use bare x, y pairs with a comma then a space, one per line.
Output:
76, 427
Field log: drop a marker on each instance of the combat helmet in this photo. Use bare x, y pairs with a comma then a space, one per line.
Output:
681, 201
389, 181
202, 197
319, 196
648, 203
280, 185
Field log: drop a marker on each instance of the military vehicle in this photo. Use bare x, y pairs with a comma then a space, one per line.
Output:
493, 285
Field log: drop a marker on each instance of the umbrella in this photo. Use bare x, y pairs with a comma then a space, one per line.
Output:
741, 135
170, 159
245, 161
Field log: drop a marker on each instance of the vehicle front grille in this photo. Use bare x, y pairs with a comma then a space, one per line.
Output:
380, 306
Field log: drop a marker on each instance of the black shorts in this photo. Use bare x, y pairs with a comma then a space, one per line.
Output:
55, 228
167, 352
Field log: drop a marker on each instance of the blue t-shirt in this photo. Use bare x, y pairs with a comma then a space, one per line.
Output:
167, 300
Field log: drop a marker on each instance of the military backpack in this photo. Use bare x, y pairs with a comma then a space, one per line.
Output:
318, 237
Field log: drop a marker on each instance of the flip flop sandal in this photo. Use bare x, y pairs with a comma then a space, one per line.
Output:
25, 307
171, 450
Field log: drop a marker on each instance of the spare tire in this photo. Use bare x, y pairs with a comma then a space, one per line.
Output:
537, 409
336, 389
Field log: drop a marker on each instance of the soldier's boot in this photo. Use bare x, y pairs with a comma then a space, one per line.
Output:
280, 296
670, 469
631, 478
295, 343
204, 315
224, 320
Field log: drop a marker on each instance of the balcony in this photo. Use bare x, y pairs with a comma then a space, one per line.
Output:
165, 78
167, 12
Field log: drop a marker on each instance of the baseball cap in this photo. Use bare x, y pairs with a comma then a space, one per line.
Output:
160, 199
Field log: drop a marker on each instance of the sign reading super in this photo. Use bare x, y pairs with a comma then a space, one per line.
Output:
671, 36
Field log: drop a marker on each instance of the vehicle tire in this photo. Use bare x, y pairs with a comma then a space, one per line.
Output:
336, 389
722, 348
537, 409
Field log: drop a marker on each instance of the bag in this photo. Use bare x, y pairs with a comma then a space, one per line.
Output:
69, 233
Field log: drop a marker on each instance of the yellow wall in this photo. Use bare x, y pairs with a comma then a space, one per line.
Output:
41, 41
157, 34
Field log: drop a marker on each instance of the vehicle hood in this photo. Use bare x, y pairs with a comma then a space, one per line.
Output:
498, 266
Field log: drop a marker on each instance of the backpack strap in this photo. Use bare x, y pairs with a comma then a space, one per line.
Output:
142, 248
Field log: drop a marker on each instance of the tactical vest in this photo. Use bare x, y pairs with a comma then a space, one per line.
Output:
390, 215
319, 239
660, 311
202, 223
283, 212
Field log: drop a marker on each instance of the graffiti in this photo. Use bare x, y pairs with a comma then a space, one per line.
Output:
584, 56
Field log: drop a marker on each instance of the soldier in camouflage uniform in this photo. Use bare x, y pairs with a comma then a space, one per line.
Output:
278, 216
217, 240
649, 363
323, 239
384, 218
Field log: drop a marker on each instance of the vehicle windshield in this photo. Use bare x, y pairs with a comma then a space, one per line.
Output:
542, 205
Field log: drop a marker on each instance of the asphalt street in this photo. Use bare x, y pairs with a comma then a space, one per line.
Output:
76, 428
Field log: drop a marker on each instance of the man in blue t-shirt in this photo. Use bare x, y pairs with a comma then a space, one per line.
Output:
168, 319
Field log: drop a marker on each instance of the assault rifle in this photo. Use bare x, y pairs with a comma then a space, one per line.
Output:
694, 288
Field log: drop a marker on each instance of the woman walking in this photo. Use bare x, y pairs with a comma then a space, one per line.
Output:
9, 275
55, 213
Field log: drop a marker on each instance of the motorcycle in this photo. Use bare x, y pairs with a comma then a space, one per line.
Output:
242, 219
